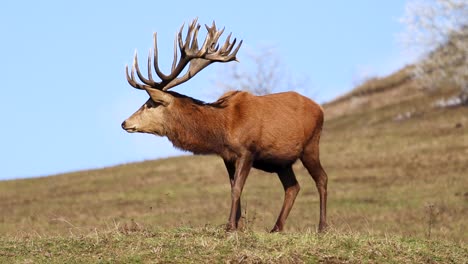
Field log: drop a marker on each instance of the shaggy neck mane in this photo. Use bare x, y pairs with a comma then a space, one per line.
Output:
196, 126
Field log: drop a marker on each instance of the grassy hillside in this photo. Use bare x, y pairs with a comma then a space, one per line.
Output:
398, 187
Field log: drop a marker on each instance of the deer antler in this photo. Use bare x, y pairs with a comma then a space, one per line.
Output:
198, 58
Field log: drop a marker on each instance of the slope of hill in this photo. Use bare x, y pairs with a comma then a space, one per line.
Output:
397, 166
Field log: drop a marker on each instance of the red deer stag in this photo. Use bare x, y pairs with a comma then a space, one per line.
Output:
265, 132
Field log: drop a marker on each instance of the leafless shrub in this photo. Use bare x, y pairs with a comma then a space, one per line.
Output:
261, 72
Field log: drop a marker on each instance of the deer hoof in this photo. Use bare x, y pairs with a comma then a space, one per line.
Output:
230, 227
323, 227
276, 229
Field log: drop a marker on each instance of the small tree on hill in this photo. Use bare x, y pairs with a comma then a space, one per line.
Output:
438, 29
259, 73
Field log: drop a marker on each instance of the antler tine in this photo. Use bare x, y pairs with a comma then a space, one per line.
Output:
207, 42
190, 29
214, 46
179, 39
189, 47
231, 46
227, 44
155, 58
237, 49
175, 55
131, 80
149, 82
150, 74
194, 45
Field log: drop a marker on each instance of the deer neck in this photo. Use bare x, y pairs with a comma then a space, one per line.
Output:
196, 127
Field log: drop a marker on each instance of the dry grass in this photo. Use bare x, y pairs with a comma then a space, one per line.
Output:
213, 245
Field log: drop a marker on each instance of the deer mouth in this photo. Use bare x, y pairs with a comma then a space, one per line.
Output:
131, 129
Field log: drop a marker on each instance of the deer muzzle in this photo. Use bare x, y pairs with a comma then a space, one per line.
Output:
129, 128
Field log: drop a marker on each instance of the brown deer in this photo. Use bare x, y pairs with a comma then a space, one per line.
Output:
268, 132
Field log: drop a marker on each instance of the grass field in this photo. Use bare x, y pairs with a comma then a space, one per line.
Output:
398, 193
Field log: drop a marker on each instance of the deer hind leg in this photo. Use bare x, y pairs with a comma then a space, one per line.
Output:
231, 169
311, 161
291, 189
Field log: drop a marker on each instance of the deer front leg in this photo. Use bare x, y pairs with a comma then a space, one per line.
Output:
243, 166
231, 169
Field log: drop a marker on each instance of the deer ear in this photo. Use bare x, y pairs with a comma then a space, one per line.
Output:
160, 97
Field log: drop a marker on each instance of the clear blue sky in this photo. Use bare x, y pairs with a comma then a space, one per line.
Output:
63, 89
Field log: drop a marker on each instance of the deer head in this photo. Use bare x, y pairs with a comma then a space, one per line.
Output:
150, 118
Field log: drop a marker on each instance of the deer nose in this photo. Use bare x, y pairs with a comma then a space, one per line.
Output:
129, 127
